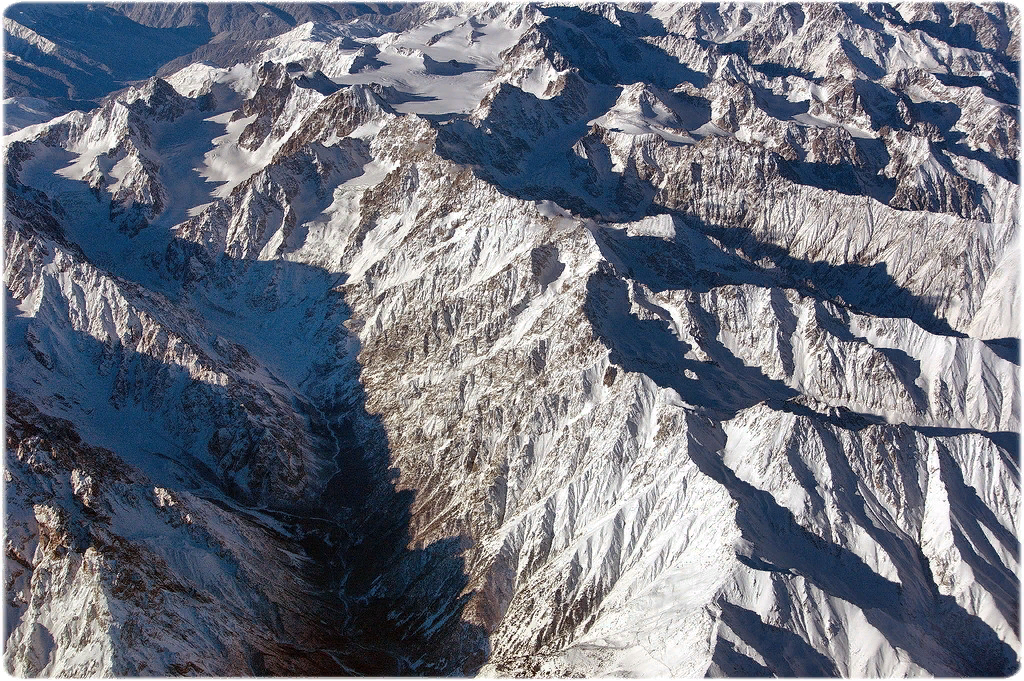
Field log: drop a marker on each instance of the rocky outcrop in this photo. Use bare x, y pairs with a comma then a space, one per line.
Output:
687, 346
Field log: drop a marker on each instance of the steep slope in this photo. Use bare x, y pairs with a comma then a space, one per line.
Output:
527, 340
50, 70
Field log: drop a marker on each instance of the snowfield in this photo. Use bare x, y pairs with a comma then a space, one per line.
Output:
517, 340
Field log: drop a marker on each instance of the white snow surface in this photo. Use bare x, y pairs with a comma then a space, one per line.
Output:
526, 341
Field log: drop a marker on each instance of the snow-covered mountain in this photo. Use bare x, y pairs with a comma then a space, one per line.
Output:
671, 339
65, 56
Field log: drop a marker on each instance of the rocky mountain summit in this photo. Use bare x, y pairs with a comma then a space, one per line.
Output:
612, 339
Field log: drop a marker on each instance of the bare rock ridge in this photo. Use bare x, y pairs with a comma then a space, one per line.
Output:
441, 339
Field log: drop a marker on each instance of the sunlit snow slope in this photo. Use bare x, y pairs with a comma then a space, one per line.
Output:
672, 339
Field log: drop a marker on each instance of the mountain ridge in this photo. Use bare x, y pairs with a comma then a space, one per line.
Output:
533, 364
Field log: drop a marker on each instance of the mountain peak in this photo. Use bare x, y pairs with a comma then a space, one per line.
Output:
528, 340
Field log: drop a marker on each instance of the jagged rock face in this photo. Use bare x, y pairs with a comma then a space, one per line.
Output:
525, 340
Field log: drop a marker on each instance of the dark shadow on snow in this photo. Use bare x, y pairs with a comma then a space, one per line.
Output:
846, 178
388, 609
595, 44
962, 35
402, 604
869, 289
1007, 348
776, 537
786, 653
726, 661
129, 49
723, 385
691, 261
973, 532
